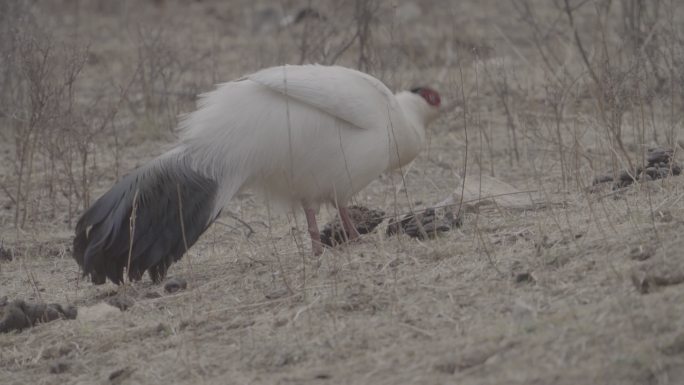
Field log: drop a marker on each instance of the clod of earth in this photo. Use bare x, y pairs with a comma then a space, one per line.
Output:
173, 285
19, 315
365, 220
660, 165
659, 155
428, 224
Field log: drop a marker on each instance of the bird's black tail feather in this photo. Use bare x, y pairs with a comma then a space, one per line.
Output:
162, 191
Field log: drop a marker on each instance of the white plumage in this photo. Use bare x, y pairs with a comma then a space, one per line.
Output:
304, 134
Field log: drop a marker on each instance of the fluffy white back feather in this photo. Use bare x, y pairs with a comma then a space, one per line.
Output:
304, 134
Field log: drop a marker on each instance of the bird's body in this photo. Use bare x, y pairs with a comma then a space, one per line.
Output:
303, 134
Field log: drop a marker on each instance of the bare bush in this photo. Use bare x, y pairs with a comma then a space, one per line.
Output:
54, 134
160, 91
619, 65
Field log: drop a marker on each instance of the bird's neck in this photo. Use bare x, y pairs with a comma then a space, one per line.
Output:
410, 139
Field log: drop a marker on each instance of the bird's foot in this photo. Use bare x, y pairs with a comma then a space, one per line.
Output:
316, 248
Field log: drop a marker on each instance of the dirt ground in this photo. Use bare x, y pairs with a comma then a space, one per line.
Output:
585, 290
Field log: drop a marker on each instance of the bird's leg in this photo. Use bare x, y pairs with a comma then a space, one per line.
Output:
316, 245
347, 223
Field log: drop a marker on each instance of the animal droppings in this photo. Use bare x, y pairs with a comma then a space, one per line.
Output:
660, 165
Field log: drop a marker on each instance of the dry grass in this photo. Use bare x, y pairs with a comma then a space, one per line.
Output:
585, 292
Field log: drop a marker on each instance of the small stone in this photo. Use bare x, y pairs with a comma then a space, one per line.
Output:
173, 285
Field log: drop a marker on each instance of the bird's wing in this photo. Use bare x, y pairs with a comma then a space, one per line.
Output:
350, 95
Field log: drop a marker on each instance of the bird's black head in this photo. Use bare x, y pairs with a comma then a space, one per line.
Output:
431, 96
